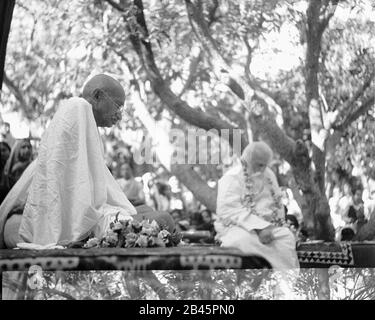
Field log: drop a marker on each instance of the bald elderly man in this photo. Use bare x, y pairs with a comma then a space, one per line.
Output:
68, 193
249, 210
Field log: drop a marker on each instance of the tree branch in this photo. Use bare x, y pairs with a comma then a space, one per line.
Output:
194, 63
16, 91
251, 49
196, 60
221, 67
184, 173
244, 90
115, 5
349, 105
193, 181
269, 129
231, 115
29, 83
143, 48
328, 11
366, 105
319, 133
212, 13
248, 57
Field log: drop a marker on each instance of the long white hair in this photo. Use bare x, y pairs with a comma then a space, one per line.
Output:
258, 150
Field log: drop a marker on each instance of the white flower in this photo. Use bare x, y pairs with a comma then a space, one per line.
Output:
111, 237
91, 243
131, 239
105, 244
146, 231
146, 224
154, 224
163, 235
117, 226
142, 241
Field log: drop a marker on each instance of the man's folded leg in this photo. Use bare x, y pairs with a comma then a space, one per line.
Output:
12, 225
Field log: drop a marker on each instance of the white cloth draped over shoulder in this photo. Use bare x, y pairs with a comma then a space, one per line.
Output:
281, 252
70, 191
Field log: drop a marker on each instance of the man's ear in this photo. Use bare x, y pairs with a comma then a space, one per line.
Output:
96, 94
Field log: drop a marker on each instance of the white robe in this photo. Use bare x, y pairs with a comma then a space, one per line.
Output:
281, 252
70, 191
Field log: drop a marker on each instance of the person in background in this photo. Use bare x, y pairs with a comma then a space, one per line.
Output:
6, 135
19, 159
334, 208
162, 196
207, 222
4, 155
202, 226
292, 224
206, 216
181, 223
355, 218
358, 207
195, 220
369, 199
303, 235
290, 203
347, 234
345, 202
132, 188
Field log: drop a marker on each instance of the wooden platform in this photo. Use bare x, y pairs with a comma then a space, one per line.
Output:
177, 258
344, 254
193, 257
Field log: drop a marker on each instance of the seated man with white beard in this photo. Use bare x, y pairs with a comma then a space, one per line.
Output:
250, 213
68, 193
251, 216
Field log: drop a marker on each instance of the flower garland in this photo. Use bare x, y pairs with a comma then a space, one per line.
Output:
132, 233
249, 202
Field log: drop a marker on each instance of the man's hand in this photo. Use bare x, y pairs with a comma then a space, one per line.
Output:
265, 235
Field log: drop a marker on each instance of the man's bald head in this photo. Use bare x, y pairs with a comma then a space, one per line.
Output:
106, 95
103, 82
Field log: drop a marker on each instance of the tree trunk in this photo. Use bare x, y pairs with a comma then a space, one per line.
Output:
191, 179
316, 214
315, 193
183, 172
6, 13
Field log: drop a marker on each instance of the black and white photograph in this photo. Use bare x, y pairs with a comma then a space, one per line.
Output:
192, 151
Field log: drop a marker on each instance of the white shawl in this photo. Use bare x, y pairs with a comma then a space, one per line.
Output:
72, 192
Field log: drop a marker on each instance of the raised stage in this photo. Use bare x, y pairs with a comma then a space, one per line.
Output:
189, 257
